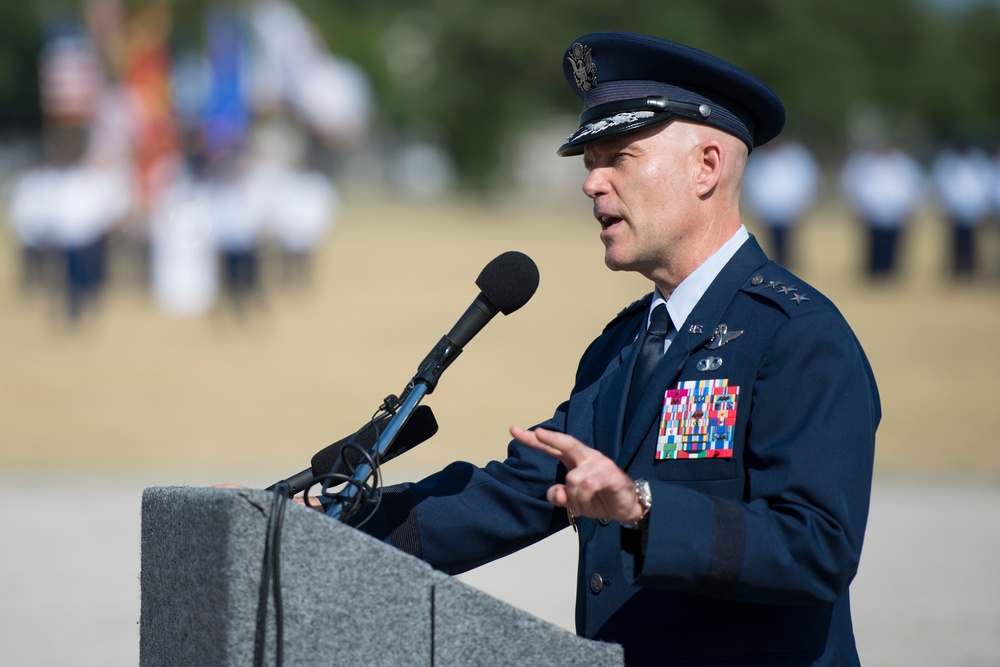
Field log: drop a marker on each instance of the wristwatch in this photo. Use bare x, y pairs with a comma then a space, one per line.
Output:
645, 497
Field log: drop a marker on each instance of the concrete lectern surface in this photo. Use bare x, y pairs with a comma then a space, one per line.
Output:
347, 599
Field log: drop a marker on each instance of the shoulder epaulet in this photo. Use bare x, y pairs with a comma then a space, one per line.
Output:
783, 288
638, 304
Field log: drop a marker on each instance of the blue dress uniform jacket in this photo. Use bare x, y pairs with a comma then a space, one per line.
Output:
747, 559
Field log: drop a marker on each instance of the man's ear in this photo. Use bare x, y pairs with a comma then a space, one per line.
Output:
709, 166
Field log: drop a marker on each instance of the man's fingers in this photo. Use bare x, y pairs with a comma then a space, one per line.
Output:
557, 495
314, 502
570, 451
595, 486
530, 438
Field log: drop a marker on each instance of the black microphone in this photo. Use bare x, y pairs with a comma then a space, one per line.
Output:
339, 458
506, 284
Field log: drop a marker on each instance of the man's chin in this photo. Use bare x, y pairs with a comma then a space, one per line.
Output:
615, 262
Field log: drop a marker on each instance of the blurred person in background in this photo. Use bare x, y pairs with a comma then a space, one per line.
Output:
884, 188
68, 209
225, 125
146, 77
781, 183
238, 230
995, 189
963, 177
298, 204
184, 265
27, 213
69, 206
87, 202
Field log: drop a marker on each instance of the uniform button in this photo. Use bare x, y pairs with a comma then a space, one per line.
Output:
597, 582
604, 522
757, 280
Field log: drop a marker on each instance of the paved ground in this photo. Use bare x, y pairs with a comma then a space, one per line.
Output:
928, 592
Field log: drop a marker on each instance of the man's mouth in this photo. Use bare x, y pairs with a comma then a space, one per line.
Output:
608, 221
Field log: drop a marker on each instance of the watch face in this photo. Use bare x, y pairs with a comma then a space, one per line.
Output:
645, 496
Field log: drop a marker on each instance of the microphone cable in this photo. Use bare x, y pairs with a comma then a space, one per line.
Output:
270, 578
368, 490
270, 581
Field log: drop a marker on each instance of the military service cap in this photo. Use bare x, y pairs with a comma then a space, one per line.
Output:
628, 81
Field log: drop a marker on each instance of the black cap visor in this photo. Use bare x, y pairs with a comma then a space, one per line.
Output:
613, 118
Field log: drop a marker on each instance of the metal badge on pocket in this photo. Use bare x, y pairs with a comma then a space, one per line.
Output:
709, 364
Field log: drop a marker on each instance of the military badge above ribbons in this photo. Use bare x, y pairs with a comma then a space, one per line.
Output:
698, 421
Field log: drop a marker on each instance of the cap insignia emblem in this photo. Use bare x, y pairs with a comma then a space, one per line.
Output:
584, 67
604, 124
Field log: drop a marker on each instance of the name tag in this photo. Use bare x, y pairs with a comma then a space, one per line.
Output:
698, 420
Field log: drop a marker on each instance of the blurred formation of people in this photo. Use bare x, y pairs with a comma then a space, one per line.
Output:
963, 178
192, 142
782, 181
884, 186
195, 146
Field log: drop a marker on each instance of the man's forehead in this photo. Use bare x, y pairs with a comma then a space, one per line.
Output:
607, 145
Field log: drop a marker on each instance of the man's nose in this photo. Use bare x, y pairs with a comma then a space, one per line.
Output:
595, 184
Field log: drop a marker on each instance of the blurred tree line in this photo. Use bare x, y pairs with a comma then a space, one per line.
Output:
467, 74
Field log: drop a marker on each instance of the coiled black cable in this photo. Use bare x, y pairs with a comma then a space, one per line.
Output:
366, 490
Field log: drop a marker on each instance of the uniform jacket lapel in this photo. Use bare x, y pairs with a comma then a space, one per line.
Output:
609, 406
694, 333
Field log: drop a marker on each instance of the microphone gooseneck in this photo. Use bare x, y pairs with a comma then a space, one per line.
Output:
506, 284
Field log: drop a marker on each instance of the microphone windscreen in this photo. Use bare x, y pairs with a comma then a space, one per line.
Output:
419, 427
509, 281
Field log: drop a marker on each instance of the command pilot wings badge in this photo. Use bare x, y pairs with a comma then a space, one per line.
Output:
584, 68
722, 336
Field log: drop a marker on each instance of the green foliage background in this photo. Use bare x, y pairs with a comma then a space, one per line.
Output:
468, 73
932, 72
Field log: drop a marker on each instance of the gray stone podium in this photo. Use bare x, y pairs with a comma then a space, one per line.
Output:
347, 598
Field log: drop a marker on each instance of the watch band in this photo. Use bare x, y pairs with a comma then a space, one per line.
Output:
645, 498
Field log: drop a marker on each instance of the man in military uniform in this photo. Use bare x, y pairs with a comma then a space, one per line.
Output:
715, 453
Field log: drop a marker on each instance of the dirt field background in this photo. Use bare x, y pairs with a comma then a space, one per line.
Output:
133, 389
89, 416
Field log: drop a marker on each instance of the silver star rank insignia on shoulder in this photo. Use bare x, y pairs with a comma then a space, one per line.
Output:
722, 336
785, 289
798, 298
584, 67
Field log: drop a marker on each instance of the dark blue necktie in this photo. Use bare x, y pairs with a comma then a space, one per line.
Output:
649, 356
